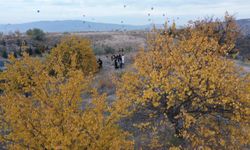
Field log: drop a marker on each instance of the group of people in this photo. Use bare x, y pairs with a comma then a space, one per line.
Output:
119, 61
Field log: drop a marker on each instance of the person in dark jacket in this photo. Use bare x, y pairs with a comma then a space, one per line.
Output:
99, 61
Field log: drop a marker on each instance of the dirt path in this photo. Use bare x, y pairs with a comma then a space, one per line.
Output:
245, 66
103, 81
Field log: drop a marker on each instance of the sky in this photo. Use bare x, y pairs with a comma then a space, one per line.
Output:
135, 12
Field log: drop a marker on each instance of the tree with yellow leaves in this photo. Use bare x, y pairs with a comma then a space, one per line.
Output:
226, 32
73, 46
40, 110
183, 81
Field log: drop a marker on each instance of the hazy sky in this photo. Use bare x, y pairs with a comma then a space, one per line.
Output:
113, 11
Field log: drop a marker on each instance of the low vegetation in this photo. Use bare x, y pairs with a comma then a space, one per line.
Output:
36, 34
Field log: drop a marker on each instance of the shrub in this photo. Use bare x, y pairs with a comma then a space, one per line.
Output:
4, 54
73, 53
36, 34
98, 50
109, 50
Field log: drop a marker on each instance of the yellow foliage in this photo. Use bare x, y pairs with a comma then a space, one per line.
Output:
44, 111
174, 148
225, 32
73, 53
185, 79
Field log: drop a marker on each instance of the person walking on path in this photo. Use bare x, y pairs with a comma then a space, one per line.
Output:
123, 60
116, 63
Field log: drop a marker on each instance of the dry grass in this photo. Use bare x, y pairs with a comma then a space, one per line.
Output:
129, 41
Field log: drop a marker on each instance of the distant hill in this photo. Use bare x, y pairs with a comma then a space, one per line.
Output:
78, 26
244, 25
69, 26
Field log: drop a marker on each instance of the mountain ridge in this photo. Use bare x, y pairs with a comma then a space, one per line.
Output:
244, 25
84, 26
70, 26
